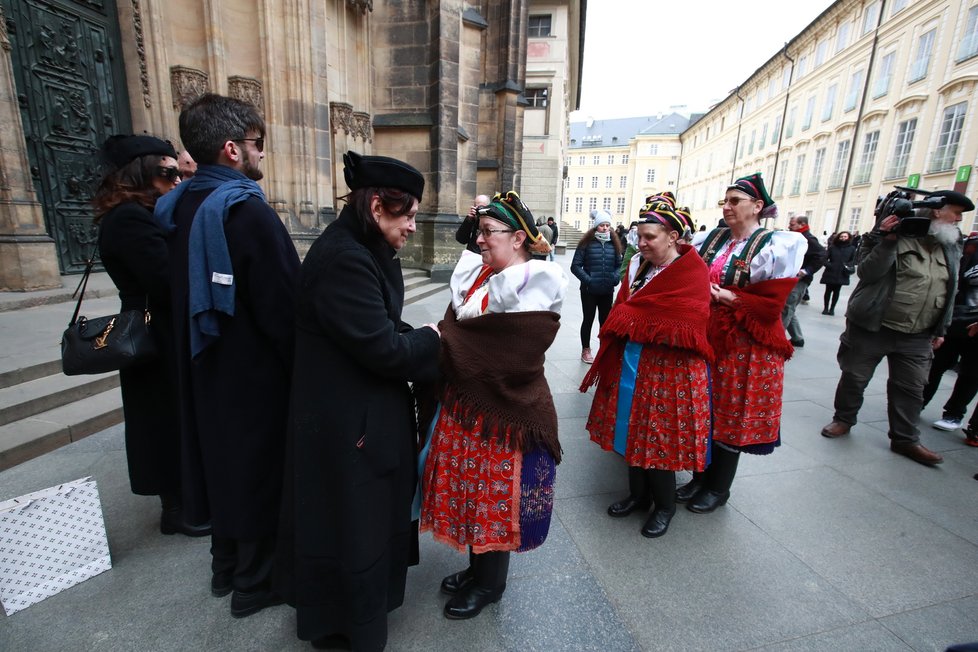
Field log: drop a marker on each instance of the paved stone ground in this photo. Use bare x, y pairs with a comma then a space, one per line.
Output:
825, 545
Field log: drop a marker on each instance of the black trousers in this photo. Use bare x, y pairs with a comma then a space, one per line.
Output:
592, 302
832, 295
962, 350
248, 562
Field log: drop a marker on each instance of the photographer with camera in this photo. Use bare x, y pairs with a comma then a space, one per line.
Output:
900, 310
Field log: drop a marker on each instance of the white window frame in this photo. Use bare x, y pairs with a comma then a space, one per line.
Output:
903, 145
925, 52
949, 137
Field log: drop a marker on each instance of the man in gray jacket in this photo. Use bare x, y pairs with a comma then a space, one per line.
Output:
900, 310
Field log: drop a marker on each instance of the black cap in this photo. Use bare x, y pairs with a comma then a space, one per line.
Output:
381, 172
119, 150
956, 198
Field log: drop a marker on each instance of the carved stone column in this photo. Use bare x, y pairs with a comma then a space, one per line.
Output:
28, 258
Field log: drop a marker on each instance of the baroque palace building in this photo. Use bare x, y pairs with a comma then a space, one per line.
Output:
872, 94
441, 84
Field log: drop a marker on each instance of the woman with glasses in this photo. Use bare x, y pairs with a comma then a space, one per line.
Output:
132, 246
652, 402
752, 270
489, 475
595, 264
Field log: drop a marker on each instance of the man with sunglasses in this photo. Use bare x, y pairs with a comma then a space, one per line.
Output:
233, 269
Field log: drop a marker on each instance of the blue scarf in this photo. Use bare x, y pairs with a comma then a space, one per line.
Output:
210, 275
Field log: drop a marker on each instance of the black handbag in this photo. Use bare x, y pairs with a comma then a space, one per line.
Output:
103, 344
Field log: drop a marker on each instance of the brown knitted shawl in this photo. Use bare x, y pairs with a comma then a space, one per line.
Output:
493, 368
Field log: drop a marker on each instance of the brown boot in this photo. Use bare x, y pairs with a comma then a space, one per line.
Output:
836, 429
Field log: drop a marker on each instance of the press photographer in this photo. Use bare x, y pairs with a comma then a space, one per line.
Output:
900, 310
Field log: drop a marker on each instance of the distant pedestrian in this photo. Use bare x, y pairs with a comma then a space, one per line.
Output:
468, 230
814, 259
840, 264
595, 264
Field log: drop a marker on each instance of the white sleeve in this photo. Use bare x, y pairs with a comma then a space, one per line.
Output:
780, 258
534, 285
466, 271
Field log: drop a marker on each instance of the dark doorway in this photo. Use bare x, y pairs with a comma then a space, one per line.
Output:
71, 89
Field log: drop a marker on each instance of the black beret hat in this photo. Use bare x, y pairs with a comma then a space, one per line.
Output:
956, 198
119, 150
381, 172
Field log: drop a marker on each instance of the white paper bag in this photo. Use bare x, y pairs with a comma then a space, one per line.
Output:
50, 540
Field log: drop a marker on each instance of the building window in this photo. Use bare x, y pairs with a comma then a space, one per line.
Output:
624, 159
596, 160
789, 128
578, 204
760, 145
799, 168
540, 25
898, 5
580, 160
884, 75
611, 159
947, 142
606, 204
607, 182
779, 183
566, 182
855, 87
567, 204
650, 176
815, 182
839, 167
829, 106
776, 131
785, 77
580, 182
536, 98
567, 161
592, 204
842, 38
921, 62
820, 51
865, 169
901, 152
594, 182
809, 114
622, 182
654, 149
870, 17
621, 205
802, 67
709, 162
969, 40
594, 140
772, 87
750, 147
854, 216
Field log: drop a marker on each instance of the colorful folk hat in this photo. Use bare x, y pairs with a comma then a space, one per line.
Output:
510, 210
753, 186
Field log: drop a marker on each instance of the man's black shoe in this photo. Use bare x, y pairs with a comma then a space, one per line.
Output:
246, 603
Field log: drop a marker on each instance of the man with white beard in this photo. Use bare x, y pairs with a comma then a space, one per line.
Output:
900, 310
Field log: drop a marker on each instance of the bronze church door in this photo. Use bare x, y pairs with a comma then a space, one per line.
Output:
71, 89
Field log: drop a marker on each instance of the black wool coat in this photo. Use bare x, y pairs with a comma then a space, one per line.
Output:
351, 473
132, 247
840, 256
234, 395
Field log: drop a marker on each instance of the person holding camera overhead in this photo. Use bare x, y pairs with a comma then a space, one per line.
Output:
900, 310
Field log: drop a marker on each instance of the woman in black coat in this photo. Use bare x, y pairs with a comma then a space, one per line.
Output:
351, 473
838, 268
132, 246
596, 264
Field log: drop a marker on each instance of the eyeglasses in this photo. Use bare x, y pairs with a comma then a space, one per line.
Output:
733, 201
168, 173
488, 232
259, 142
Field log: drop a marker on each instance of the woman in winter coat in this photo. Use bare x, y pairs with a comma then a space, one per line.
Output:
838, 269
596, 264
132, 246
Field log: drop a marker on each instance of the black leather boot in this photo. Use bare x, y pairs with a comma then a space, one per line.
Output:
638, 494
719, 477
172, 521
663, 484
458, 581
691, 488
491, 569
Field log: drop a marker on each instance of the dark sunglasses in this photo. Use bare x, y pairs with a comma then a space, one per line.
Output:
259, 142
168, 173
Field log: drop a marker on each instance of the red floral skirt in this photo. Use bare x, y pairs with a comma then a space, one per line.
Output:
480, 492
669, 423
748, 383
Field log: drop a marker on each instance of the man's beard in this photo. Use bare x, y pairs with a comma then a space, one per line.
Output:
251, 171
944, 233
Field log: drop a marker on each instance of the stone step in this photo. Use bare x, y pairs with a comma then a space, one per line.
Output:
411, 282
29, 373
28, 438
423, 291
32, 397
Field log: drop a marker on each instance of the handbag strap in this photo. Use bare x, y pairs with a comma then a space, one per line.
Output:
80, 290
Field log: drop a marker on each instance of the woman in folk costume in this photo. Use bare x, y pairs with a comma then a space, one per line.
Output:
488, 479
652, 403
752, 271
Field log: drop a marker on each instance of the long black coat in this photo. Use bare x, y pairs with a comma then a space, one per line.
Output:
839, 257
354, 450
234, 395
132, 247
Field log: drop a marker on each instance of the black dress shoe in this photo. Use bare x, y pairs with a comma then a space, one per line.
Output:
686, 492
220, 584
658, 523
471, 601
628, 505
332, 642
798, 343
171, 522
246, 603
707, 500
457, 581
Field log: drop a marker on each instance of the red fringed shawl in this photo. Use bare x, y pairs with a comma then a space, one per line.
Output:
757, 313
672, 309
493, 367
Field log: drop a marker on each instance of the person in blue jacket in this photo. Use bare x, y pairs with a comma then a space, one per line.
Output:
595, 264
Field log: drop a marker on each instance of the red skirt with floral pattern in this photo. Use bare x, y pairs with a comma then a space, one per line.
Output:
669, 424
748, 383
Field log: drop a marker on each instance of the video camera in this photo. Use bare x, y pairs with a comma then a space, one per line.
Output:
900, 202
